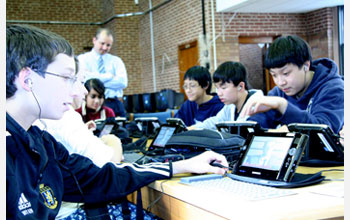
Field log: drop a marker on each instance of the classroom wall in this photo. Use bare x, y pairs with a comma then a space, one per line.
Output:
175, 23
251, 55
126, 29
179, 22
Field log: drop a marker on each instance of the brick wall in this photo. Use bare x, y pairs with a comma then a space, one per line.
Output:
320, 32
315, 27
251, 57
180, 21
174, 24
59, 10
126, 29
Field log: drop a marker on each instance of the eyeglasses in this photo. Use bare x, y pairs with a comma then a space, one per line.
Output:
70, 79
186, 87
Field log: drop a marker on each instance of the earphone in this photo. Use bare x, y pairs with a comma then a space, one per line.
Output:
305, 68
239, 88
29, 82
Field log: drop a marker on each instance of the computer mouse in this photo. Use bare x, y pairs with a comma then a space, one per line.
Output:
216, 164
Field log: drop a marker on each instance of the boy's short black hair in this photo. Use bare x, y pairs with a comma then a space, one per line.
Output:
29, 46
231, 72
201, 75
287, 50
97, 85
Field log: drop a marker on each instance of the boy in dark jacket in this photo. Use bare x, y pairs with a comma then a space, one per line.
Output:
201, 104
40, 173
307, 91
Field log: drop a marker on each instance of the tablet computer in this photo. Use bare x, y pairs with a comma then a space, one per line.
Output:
177, 122
105, 127
323, 144
148, 125
271, 156
121, 121
162, 136
241, 128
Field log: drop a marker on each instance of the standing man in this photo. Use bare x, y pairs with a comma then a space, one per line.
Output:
108, 68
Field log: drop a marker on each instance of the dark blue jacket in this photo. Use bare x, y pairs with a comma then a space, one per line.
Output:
40, 173
190, 111
322, 102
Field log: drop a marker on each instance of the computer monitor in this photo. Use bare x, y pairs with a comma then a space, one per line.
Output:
128, 103
179, 100
149, 103
168, 99
137, 103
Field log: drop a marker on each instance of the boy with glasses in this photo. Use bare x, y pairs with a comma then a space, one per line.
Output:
76, 137
200, 104
40, 172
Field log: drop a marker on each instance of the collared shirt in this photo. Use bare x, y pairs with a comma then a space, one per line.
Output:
115, 78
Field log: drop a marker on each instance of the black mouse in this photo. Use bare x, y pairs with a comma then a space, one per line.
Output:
216, 164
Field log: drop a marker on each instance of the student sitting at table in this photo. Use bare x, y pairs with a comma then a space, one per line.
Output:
230, 79
200, 104
306, 91
93, 108
40, 172
74, 134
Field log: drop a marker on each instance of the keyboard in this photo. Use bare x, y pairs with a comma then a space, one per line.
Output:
247, 191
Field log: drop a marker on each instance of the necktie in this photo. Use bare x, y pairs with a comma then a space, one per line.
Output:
101, 66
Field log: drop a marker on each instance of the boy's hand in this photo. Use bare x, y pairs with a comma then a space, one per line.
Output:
263, 104
201, 164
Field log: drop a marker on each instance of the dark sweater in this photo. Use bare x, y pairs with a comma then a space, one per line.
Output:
190, 111
322, 102
40, 173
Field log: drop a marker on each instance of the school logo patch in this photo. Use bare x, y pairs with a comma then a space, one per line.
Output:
49, 198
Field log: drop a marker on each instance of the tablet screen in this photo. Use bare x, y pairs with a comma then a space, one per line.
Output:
163, 136
267, 152
107, 129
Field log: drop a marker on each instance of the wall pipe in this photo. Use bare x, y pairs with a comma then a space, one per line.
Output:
214, 39
90, 23
152, 49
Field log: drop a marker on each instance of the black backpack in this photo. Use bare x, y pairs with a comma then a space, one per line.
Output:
194, 142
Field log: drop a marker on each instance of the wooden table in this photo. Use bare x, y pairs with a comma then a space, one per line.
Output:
179, 201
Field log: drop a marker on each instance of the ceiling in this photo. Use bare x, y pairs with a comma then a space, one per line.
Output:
274, 6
